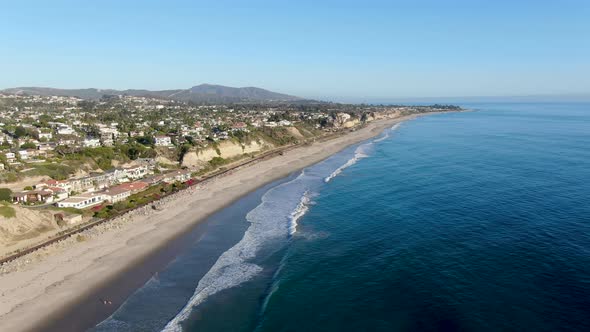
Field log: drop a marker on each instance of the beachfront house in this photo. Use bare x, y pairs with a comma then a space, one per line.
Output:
121, 192
137, 172
82, 201
116, 175
153, 180
54, 185
116, 194
177, 176
98, 180
58, 193
33, 196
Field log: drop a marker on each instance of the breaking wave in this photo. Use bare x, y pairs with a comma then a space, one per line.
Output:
386, 134
275, 218
360, 153
299, 211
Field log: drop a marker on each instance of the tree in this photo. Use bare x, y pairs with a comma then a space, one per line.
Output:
28, 145
184, 149
5, 194
87, 105
364, 117
217, 161
133, 152
44, 119
146, 140
274, 118
20, 131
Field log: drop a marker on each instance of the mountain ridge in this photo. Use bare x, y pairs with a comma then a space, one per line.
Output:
203, 93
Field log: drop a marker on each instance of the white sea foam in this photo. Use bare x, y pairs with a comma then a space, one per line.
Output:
299, 211
276, 217
386, 134
359, 153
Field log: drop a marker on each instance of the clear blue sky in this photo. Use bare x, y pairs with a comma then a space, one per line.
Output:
320, 49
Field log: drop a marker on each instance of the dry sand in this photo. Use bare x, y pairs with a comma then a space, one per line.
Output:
38, 285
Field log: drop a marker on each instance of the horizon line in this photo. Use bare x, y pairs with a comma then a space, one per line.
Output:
335, 98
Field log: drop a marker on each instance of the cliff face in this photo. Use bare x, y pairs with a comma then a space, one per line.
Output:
226, 150
27, 227
386, 115
351, 123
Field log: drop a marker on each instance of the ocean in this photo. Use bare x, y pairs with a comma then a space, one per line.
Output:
472, 221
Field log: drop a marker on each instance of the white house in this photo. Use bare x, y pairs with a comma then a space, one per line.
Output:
116, 175
91, 142
163, 141
116, 194
6, 138
65, 130
82, 201
58, 193
10, 157
137, 172
33, 196
45, 135
180, 176
24, 154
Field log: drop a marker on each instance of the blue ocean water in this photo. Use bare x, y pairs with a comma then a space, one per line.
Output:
474, 221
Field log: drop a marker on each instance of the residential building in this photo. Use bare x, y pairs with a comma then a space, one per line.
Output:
10, 157
177, 176
137, 172
116, 194
82, 201
91, 142
60, 184
33, 196
121, 192
47, 136
65, 130
163, 141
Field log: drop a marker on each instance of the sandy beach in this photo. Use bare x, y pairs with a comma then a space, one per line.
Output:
36, 288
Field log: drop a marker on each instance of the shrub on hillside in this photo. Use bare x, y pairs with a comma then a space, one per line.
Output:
7, 211
5, 194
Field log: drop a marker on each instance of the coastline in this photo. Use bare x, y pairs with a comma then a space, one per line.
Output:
68, 277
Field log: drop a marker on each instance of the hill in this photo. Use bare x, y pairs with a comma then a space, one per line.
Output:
204, 93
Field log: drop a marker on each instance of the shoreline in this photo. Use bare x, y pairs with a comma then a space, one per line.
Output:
148, 238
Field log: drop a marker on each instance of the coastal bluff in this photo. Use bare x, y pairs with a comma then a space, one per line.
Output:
225, 150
